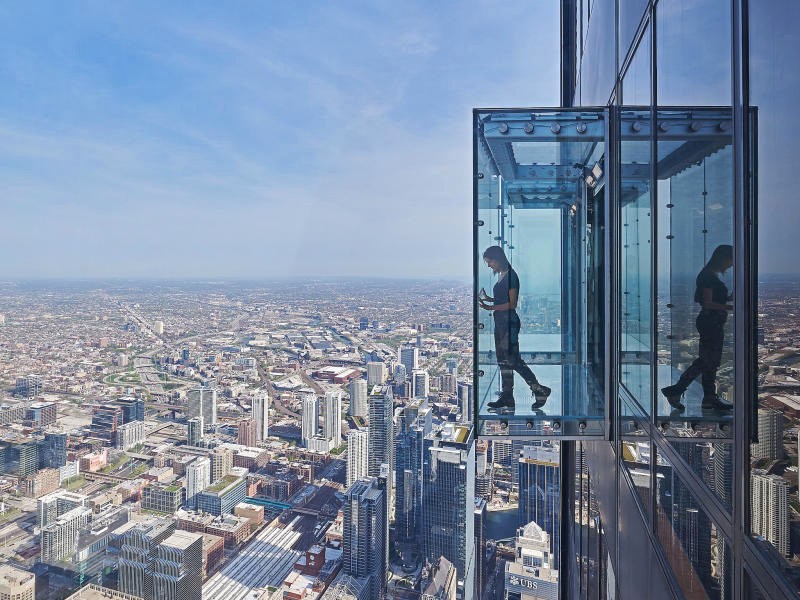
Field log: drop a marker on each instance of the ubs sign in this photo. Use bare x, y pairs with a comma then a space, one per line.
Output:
531, 587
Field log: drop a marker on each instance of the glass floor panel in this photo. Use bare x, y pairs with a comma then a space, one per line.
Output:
575, 407
692, 422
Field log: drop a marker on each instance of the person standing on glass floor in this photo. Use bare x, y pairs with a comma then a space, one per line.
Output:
503, 304
712, 296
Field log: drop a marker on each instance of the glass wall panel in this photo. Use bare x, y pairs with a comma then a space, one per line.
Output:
635, 455
598, 65
700, 556
775, 128
636, 84
694, 53
636, 343
695, 236
712, 461
630, 15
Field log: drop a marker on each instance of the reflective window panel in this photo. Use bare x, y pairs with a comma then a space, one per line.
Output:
695, 255
695, 548
598, 65
630, 15
775, 423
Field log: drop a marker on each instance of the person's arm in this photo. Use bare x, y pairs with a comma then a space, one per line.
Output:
709, 303
484, 296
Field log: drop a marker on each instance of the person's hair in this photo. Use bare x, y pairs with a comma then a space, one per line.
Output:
496, 254
722, 254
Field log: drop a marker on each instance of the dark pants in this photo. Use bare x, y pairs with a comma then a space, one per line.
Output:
710, 325
506, 345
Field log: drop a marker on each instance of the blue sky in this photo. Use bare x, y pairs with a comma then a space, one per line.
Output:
254, 139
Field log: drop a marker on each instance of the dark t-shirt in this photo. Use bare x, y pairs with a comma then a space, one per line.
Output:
500, 291
709, 279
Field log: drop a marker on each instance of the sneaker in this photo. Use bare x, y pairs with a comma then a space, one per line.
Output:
540, 393
504, 403
714, 403
673, 395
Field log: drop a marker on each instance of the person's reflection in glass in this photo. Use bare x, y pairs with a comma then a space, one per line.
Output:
506, 332
712, 296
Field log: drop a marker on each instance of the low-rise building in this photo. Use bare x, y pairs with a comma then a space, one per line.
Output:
16, 584
223, 495
162, 498
252, 512
213, 553
44, 481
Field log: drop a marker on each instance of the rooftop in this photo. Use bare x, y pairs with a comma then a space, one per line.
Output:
182, 539
222, 484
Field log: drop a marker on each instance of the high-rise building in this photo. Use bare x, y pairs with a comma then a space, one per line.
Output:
381, 429
310, 423
28, 387
59, 537
158, 327
53, 449
376, 373
484, 470
531, 575
16, 584
106, 418
770, 435
52, 506
540, 491
129, 435
409, 358
198, 478
261, 414
194, 430
357, 455
222, 496
332, 426
420, 384
42, 413
481, 569
21, 458
132, 408
663, 490
358, 398
365, 534
178, 567
162, 498
465, 401
770, 509
246, 432
451, 364
137, 554
449, 500
400, 373
221, 462
202, 401
414, 424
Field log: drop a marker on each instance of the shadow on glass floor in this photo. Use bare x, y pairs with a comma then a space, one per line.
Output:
575, 407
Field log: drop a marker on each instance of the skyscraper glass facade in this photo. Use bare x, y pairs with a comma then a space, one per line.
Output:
647, 223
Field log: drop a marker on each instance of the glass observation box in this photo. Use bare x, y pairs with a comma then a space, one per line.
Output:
540, 206
590, 227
